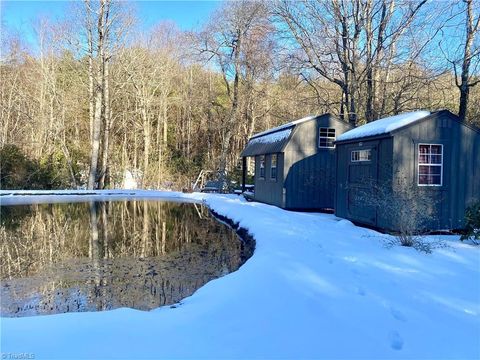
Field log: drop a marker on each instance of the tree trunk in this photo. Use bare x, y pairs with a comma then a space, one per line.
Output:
91, 76
222, 169
103, 181
97, 121
465, 84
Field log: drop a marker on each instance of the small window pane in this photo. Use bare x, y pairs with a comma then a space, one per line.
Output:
423, 149
262, 166
436, 149
422, 170
326, 138
273, 167
435, 159
361, 155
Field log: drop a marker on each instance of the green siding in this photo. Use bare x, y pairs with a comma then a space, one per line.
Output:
267, 190
461, 146
397, 161
310, 170
306, 173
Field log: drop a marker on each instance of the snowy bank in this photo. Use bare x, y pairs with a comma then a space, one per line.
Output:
316, 287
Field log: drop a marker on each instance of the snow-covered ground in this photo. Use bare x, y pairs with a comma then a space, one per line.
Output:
316, 287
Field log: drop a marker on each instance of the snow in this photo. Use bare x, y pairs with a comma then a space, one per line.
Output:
383, 126
284, 126
278, 133
129, 182
271, 137
316, 287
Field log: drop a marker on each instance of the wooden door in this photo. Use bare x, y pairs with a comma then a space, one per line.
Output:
362, 178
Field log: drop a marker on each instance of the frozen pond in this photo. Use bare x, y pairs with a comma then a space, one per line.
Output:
70, 257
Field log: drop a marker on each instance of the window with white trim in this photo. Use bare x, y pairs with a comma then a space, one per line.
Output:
430, 164
361, 155
326, 138
273, 167
262, 166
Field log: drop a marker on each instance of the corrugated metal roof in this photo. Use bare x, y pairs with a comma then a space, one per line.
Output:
274, 140
269, 143
285, 126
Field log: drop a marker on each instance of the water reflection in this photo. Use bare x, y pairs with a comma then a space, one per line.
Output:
57, 258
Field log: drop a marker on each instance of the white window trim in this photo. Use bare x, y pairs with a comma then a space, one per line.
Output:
327, 137
276, 167
418, 166
358, 150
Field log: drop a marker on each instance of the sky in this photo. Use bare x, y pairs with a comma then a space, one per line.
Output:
20, 15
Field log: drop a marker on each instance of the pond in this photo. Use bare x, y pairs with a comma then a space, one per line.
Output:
58, 258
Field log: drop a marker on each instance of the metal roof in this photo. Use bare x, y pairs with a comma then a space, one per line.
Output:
269, 142
285, 126
274, 140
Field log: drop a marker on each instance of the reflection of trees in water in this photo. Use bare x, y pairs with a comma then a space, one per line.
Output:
78, 257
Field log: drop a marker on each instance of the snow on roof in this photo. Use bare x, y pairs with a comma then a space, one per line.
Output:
270, 138
284, 126
383, 126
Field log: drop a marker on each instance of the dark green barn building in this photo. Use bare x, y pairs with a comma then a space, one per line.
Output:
295, 163
434, 154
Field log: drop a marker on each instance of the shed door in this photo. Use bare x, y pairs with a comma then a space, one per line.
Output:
362, 175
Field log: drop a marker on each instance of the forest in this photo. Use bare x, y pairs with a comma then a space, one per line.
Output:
99, 95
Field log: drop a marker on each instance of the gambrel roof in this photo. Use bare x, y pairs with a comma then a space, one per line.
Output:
276, 139
273, 140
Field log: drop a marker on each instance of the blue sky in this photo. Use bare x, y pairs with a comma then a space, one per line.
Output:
20, 15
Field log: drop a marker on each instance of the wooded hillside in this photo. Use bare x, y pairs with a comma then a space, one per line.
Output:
98, 96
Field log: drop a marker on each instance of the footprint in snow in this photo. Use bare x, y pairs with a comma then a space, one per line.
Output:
361, 291
356, 272
396, 341
397, 314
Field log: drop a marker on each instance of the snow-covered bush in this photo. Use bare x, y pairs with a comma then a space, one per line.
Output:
472, 223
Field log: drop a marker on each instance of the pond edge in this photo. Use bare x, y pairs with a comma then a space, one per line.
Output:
242, 232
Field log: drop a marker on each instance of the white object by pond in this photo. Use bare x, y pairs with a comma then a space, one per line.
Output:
129, 182
383, 126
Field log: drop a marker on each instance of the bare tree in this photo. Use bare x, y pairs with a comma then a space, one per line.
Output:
224, 40
471, 57
99, 17
349, 43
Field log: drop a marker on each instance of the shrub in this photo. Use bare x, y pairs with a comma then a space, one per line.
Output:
17, 171
410, 210
14, 168
472, 223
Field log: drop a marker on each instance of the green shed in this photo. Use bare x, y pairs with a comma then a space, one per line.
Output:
436, 155
295, 163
